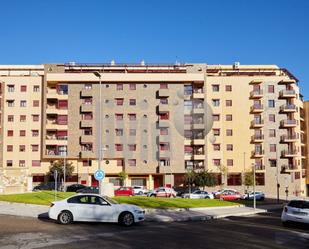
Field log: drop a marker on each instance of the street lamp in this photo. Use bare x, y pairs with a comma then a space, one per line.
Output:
98, 75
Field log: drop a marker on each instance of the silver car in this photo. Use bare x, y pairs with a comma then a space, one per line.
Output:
198, 194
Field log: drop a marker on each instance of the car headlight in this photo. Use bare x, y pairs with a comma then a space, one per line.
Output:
139, 211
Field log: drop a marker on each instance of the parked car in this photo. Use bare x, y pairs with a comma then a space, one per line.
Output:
217, 193
229, 195
259, 196
93, 207
124, 191
162, 192
198, 194
184, 190
296, 211
92, 189
140, 190
75, 187
46, 186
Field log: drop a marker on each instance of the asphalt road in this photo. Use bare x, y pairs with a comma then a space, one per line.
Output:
259, 231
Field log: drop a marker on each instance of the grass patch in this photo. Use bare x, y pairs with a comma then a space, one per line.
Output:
152, 202
41, 198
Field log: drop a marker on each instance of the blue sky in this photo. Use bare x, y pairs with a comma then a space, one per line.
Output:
214, 32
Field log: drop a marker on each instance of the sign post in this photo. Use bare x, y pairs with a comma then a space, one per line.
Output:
55, 177
99, 176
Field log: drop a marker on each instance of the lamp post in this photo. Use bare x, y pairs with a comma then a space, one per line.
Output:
254, 197
98, 75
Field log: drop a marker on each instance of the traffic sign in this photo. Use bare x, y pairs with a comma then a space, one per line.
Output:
99, 175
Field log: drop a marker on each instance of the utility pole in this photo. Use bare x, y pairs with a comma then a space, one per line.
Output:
64, 173
254, 197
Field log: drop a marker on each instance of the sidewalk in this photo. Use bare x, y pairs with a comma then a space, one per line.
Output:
161, 215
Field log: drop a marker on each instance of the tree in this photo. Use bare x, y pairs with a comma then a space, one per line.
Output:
205, 179
123, 176
248, 179
224, 173
190, 178
58, 165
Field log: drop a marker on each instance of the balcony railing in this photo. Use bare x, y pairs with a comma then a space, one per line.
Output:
288, 153
256, 94
288, 137
260, 167
257, 153
288, 108
257, 123
287, 94
256, 108
257, 137
288, 122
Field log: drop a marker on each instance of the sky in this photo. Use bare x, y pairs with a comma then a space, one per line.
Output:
158, 31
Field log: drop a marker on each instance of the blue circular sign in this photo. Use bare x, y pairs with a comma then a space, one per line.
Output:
99, 175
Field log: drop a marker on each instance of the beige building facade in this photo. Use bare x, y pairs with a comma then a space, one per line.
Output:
158, 122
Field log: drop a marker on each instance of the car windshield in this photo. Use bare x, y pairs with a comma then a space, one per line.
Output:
110, 200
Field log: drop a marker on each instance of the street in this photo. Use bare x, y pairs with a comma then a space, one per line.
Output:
259, 231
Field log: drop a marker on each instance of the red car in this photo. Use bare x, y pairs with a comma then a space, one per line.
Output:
124, 191
229, 195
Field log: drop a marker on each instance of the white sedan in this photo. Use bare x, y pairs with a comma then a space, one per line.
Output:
296, 211
198, 194
94, 207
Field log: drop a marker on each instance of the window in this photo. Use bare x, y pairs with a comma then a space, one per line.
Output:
188, 119
228, 102
272, 148
119, 147
36, 103
132, 162
229, 147
228, 117
132, 147
215, 88
164, 162
260, 179
23, 88
10, 133
87, 116
164, 115
22, 118
216, 117
132, 101
229, 162
119, 87
62, 89
229, 132
163, 86
234, 179
119, 101
115, 181
271, 89
11, 103
132, 132
62, 104
9, 163
228, 88
10, 118
216, 132
22, 148
9, 148
62, 119
22, 133
164, 101
120, 162
87, 101
36, 88
35, 118
35, 133
88, 86
132, 117
11, 88
119, 132
271, 103
216, 147
87, 163
23, 103
132, 86
35, 163
216, 102
119, 117
272, 133
22, 163
164, 146
272, 162
217, 162
35, 147
163, 131
272, 118
138, 182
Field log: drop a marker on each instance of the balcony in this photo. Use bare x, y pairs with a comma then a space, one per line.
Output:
87, 154
86, 107
288, 123
54, 94
288, 108
163, 107
163, 123
287, 82
86, 92
199, 155
289, 167
260, 167
198, 110
256, 94
55, 153
257, 153
257, 138
86, 123
51, 109
87, 139
256, 81
289, 153
198, 125
257, 123
289, 138
163, 138
56, 141
257, 108
287, 94
199, 141
198, 93
163, 93
165, 153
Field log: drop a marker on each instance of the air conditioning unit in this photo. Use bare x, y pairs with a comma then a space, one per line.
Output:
236, 65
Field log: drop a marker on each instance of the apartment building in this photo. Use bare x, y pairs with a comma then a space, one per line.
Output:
158, 121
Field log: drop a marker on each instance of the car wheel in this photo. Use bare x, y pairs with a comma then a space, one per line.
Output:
140, 192
65, 217
207, 197
126, 219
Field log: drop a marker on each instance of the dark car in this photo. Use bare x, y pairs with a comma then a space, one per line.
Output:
92, 190
75, 187
184, 190
46, 186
